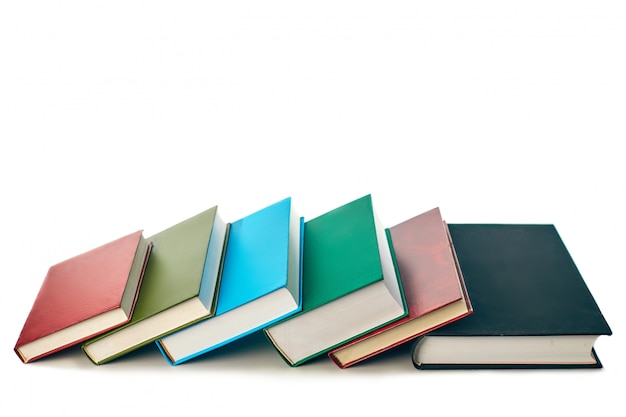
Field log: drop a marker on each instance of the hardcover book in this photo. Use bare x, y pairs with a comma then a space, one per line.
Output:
179, 287
433, 287
84, 296
260, 283
349, 284
532, 308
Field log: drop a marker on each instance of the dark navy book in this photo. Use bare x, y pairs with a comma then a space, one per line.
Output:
532, 308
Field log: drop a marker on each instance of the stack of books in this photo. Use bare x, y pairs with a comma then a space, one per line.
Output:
340, 285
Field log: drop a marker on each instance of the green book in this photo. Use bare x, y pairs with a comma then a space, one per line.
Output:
179, 287
350, 284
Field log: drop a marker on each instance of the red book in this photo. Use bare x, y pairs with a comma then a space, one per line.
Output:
84, 296
432, 283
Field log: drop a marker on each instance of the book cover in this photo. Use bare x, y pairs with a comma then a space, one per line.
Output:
179, 287
532, 308
260, 282
84, 296
433, 287
349, 284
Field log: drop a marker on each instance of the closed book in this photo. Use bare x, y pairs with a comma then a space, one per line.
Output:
532, 308
433, 287
179, 286
349, 284
84, 296
260, 283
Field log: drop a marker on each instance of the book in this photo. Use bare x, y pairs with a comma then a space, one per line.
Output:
433, 287
349, 284
260, 283
84, 296
532, 308
179, 286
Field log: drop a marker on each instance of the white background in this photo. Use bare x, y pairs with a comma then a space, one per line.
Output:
125, 115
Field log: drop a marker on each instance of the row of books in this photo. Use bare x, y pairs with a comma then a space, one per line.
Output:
341, 285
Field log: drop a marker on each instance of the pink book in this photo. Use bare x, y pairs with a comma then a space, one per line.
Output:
432, 283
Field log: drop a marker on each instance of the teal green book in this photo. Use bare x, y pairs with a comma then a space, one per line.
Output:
350, 284
179, 287
260, 283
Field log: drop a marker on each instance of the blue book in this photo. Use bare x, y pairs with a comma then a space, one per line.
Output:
261, 283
